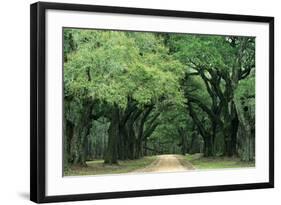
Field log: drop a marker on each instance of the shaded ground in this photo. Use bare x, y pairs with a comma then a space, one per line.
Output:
200, 162
98, 167
167, 163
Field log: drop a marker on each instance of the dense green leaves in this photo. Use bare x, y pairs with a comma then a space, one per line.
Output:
221, 63
111, 67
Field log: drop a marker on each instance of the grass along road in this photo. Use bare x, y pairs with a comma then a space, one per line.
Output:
158, 163
200, 162
97, 167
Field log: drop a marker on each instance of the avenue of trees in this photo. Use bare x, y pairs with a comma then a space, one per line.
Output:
132, 94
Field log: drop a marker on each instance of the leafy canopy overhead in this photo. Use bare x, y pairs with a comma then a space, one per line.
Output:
112, 66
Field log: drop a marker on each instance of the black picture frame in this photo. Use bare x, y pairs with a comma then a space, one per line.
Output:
38, 101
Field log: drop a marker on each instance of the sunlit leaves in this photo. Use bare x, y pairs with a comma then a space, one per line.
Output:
112, 66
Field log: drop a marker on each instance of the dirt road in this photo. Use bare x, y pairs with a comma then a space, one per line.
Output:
167, 163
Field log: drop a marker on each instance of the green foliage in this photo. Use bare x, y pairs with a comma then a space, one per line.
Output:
215, 67
203, 50
110, 66
245, 94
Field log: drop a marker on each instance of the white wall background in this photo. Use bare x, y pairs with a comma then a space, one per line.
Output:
14, 100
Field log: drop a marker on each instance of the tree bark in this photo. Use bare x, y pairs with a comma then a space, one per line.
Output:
113, 136
208, 145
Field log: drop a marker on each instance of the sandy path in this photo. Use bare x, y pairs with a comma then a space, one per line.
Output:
166, 163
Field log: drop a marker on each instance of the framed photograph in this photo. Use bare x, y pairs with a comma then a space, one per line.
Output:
129, 102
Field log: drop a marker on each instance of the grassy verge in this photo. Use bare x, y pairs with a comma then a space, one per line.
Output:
98, 167
200, 162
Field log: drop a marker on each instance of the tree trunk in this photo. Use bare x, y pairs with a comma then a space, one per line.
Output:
121, 143
234, 130
183, 142
246, 134
230, 129
145, 145
208, 147
68, 142
132, 141
113, 136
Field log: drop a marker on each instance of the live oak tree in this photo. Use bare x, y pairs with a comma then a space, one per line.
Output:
221, 63
124, 77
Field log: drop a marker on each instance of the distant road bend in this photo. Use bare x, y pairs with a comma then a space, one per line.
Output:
167, 163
